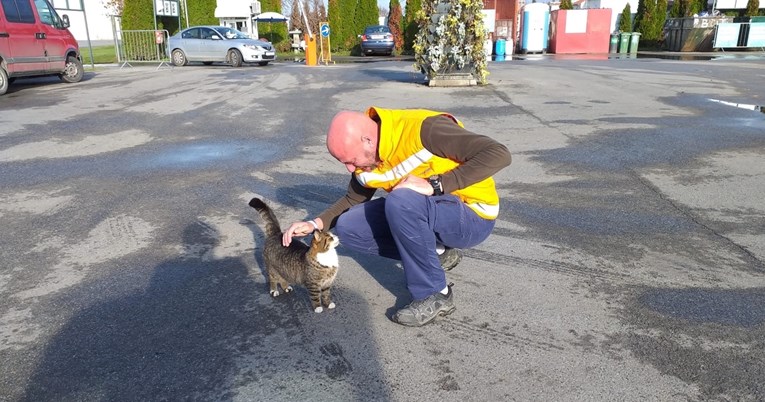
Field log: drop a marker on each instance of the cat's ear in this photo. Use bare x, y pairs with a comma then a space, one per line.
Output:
321, 237
318, 236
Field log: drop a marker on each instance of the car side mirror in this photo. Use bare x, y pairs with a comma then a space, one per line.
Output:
215, 37
65, 20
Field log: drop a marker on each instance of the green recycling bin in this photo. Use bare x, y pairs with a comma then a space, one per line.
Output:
614, 47
634, 40
624, 42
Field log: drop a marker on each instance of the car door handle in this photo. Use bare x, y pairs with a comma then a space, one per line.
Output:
40, 35
4, 35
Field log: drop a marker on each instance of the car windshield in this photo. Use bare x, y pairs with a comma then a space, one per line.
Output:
230, 33
380, 29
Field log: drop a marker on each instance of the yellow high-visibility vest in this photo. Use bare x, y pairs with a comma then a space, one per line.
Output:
402, 153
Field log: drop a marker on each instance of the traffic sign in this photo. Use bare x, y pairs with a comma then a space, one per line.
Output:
324, 30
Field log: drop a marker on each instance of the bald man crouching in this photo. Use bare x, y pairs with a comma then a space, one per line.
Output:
441, 197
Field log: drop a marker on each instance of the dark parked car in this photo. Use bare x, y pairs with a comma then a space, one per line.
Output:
209, 44
377, 39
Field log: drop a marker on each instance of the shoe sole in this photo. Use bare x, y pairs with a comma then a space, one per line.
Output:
452, 262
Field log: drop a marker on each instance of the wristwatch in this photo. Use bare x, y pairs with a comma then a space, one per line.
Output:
435, 181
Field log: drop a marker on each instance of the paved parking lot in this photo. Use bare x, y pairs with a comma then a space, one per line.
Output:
627, 262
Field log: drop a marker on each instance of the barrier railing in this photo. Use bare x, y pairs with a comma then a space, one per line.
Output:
142, 46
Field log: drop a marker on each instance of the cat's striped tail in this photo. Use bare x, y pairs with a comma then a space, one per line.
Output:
272, 224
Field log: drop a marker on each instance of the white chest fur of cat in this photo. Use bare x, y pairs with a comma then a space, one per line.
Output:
314, 266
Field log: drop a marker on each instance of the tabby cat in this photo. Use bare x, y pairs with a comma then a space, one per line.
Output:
314, 267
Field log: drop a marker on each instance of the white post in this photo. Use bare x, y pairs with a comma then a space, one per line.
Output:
154, 14
186, 10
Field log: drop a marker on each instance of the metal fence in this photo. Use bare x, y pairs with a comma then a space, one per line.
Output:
143, 46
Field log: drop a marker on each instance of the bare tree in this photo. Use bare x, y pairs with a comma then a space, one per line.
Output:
296, 18
394, 23
114, 7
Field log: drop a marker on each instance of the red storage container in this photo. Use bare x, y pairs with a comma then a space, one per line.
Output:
580, 31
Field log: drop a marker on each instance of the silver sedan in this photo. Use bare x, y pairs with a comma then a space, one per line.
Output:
208, 44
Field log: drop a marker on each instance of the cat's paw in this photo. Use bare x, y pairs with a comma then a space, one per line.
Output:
274, 293
331, 305
318, 309
289, 289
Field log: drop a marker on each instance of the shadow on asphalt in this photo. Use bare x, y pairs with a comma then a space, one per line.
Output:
23, 83
411, 77
204, 328
385, 271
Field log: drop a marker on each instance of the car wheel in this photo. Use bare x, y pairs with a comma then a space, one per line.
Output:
262, 63
207, 63
3, 81
73, 70
235, 58
179, 58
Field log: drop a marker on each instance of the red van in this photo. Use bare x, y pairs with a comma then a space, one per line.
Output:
34, 40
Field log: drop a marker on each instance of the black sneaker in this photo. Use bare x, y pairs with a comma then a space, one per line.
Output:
450, 258
421, 312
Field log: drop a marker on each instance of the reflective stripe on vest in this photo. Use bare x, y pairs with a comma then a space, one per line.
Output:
397, 172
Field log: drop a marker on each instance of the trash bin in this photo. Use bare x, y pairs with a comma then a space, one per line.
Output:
634, 40
487, 48
499, 49
624, 42
614, 43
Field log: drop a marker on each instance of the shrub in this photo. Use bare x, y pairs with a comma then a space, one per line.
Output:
450, 38
752, 7
394, 23
625, 22
409, 25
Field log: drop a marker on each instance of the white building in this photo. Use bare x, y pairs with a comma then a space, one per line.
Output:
236, 14
99, 20
616, 7
239, 14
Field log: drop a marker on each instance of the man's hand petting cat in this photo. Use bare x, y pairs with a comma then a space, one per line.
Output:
300, 229
415, 183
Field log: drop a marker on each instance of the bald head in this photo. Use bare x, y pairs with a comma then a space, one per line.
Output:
352, 139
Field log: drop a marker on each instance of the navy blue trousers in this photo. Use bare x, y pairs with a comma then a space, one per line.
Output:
406, 226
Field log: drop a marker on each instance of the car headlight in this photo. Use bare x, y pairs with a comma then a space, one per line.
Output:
254, 47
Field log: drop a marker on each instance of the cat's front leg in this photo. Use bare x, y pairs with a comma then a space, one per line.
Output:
315, 293
325, 299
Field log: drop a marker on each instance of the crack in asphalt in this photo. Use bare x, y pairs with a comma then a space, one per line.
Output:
749, 256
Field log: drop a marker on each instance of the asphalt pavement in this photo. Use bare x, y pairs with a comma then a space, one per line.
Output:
626, 263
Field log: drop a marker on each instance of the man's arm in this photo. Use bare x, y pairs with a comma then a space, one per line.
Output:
356, 194
480, 156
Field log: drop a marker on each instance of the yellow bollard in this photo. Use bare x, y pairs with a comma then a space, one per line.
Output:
310, 50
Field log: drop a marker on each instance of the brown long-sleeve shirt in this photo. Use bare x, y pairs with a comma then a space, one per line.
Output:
479, 157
